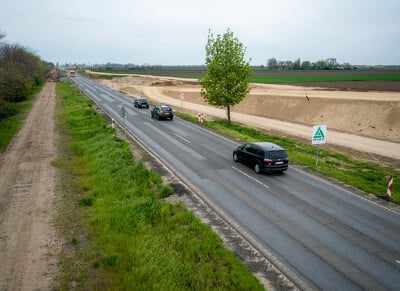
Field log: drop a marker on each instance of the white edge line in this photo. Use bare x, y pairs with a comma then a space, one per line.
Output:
250, 177
330, 183
181, 137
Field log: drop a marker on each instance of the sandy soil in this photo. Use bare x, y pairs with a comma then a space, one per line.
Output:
364, 121
28, 242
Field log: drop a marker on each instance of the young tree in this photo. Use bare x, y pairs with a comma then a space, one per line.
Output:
226, 81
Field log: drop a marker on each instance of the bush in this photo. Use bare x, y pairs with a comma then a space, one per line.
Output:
14, 87
7, 109
20, 71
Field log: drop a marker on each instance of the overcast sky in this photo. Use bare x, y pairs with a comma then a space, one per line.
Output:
174, 32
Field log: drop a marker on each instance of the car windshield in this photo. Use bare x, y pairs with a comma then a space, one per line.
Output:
273, 155
166, 108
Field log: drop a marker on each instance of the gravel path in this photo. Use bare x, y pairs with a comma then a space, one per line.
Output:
28, 242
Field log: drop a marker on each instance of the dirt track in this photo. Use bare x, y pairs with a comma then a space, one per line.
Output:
28, 242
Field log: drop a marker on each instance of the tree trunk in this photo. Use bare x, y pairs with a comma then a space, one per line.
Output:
228, 112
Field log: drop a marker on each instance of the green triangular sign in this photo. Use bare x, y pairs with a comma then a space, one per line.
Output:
319, 133
123, 112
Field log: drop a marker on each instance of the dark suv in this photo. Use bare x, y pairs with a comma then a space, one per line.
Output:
162, 112
262, 156
140, 103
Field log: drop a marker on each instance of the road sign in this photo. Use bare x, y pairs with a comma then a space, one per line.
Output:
318, 137
319, 134
123, 113
389, 189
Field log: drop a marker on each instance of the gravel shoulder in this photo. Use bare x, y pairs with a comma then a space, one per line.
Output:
29, 245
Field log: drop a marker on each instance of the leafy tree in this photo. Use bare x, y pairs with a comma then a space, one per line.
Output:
14, 86
285, 65
272, 64
20, 71
306, 65
226, 81
296, 65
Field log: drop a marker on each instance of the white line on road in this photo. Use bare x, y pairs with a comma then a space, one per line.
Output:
398, 261
181, 137
252, 178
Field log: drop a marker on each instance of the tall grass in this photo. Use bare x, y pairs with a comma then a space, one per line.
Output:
137, 240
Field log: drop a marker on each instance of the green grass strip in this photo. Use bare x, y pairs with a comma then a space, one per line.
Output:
137, 240
366, 176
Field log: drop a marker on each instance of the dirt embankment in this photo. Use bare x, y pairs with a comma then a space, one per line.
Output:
28, 241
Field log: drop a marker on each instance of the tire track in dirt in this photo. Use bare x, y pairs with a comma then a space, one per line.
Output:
28, 241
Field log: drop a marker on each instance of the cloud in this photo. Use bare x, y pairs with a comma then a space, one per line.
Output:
175, 31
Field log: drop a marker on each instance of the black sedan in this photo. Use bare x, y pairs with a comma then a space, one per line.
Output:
262, 156
162, 112
140, 103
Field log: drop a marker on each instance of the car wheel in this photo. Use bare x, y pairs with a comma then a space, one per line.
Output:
158, 117
235, 157
171, 118
257, 168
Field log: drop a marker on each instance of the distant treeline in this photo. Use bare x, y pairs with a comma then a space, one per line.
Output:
20, 72
328, 64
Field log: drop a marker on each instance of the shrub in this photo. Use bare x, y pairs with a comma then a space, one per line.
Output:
14, 87
7, 109
87, 201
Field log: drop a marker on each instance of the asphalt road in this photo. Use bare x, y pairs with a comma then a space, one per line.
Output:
322, 235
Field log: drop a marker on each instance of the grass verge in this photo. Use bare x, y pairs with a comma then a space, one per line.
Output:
366, 176
10, 126
121, 232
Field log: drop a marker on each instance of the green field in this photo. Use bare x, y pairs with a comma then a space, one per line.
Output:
271, 77
276, 79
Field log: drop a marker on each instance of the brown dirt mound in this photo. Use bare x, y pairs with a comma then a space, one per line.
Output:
355, 85
167, 83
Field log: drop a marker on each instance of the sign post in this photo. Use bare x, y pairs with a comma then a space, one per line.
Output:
182, 96
318, 137
389, 188
123, 113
